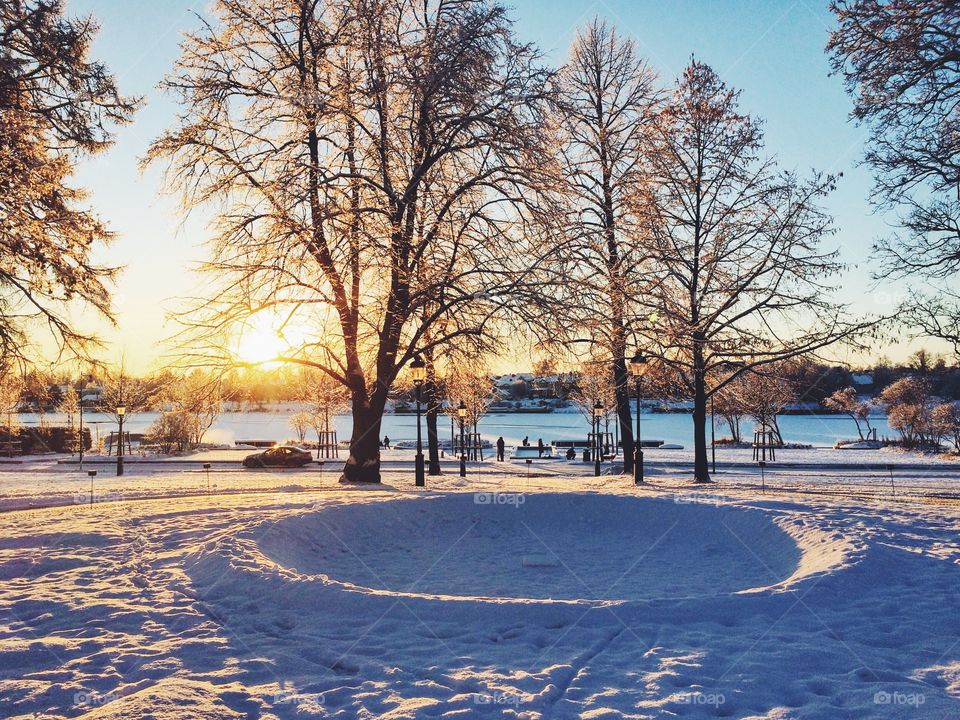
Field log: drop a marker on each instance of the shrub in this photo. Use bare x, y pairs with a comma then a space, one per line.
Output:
173, 430
36, 440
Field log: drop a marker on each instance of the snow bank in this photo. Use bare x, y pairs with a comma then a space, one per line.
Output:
602, 547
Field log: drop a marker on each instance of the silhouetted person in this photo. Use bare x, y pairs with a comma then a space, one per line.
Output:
501, 449
526, 441
386, 442
540, 447
571, 453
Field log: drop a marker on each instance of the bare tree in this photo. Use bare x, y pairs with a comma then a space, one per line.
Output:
200, 396
56, 105
469, 382
323, 397
846, 401
300, 422
70, 404
742, 280
607, 96
11, 395
37, 391
594, 383
376, 161
433, 393
762, 394
945, 419
120, 389
909, 405
725, 404
901, 64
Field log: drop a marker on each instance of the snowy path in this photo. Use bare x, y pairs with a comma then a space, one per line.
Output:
609, 602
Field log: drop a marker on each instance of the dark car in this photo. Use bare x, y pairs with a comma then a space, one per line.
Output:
282, 456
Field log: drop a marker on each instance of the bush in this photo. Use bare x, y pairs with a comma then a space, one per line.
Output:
36, 440
173, 430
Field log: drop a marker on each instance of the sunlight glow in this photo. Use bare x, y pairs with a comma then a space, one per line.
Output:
261, 341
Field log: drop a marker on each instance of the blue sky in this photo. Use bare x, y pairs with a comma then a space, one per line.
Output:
771, 51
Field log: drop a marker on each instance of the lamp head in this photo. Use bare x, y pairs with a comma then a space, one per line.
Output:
121, 410
418, 369
462, 409
638, 364
598, 409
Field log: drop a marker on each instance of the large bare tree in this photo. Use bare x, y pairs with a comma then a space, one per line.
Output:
736, 245
373, 163
901, 64
607, 95
56, 105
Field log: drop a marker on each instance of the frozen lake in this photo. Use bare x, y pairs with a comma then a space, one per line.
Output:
817, 430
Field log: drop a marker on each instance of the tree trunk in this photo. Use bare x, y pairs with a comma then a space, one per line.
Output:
622, 385
701, 470
433, 435
363, 463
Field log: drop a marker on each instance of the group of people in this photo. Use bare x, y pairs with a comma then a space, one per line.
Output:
502, 447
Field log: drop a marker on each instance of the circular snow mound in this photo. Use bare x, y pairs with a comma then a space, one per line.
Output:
539, 546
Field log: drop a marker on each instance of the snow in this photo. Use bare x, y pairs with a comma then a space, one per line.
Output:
557, 596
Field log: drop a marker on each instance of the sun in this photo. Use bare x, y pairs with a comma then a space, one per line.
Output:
260, 342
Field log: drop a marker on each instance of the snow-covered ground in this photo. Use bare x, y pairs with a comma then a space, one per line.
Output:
285, 595
60, 480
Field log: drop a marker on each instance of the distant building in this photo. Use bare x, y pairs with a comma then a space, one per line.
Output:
863, 382
90, 395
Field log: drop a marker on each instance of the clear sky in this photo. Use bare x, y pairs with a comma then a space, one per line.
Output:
772, 51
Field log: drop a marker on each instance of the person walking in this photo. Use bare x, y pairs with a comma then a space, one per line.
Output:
386, 442
501, 449
540, 447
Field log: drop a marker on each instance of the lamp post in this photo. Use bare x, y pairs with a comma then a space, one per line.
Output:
638, 366
462, 415
597, 414
121, 411
419, 370
80, 407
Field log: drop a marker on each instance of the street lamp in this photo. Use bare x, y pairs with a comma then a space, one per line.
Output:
121, 411
419, 370
462, 416
80, 407
597, 414
638, 366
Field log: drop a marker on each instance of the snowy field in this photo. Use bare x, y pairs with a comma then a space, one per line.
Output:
60, 480
559, 595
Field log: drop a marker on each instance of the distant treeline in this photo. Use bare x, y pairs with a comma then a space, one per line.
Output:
257, 389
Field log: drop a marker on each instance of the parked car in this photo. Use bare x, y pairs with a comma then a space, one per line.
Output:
280, 456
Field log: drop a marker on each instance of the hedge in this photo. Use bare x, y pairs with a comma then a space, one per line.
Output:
36, 440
